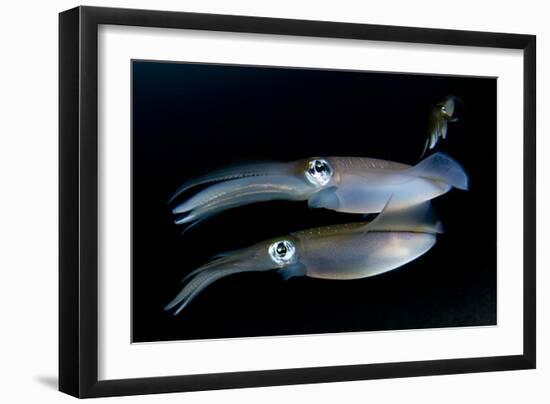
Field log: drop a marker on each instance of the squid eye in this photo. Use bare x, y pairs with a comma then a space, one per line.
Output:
282, 252
319, 172
444, 109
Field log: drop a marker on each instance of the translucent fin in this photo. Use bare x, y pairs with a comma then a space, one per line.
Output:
325, 198
292, 271
441, 167
419, 218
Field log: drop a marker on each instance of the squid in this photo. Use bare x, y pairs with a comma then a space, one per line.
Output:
343, 184
344, 251
441, 114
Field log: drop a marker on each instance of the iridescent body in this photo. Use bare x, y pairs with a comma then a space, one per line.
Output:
348, 254
343, 184
344, 251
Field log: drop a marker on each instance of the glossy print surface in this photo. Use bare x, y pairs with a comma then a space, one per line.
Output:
192, 120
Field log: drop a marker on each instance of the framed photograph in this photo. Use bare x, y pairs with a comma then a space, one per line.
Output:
251, 201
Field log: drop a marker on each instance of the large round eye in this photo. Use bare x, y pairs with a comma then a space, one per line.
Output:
319, 172
282, 252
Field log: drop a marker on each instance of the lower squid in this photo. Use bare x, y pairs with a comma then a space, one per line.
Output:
344, 251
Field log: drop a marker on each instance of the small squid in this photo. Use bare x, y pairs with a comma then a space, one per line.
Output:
343, 184
343, 251
440, 115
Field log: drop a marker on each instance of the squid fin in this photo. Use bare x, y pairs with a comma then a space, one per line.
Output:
327, 198
292, 271
441, 167
419, 218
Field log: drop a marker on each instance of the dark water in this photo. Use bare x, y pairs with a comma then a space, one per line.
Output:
192, 118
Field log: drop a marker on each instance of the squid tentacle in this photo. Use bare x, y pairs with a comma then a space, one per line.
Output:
201, 278
229, 173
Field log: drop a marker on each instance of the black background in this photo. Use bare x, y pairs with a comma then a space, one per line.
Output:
189, 119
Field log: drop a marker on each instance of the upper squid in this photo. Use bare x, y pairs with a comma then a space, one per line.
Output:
343, 184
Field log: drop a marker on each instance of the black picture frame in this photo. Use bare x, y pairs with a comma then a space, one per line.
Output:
78, 203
